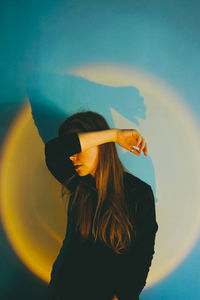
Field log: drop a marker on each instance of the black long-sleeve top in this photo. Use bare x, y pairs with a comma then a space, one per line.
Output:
87, 270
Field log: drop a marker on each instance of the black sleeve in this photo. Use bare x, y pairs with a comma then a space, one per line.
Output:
56, 273
141, 254
57, 153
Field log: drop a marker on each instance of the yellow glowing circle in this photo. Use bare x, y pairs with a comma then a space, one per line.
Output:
33, 213
173, 142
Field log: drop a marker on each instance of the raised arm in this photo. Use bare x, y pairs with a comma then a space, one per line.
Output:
95, 138
126, 138
57, 153
59, 149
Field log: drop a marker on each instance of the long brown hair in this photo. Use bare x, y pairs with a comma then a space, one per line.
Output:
111, 223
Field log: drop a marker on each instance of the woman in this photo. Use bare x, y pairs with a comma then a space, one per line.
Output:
109, 244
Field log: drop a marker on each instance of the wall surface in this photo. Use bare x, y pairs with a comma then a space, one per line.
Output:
135, 62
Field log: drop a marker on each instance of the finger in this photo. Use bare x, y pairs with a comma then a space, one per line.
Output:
139, 141
142, 145
135, 151
145, 149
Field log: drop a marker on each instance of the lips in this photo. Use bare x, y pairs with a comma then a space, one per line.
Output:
76, 166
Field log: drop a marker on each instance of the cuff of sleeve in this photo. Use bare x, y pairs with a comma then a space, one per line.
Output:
72, 143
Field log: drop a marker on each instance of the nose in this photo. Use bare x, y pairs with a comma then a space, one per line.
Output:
72, 157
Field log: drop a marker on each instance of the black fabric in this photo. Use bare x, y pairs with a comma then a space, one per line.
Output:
91, 270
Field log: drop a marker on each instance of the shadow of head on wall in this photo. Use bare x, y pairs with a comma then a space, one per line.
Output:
54, 97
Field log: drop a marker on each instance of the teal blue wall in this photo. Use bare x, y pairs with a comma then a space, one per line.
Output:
39, 39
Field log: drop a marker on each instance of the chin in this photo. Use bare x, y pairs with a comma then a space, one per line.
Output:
82, 174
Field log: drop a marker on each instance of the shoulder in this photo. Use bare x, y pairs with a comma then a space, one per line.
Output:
133, 183
137, 191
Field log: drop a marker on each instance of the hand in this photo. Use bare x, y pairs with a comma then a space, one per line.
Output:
130, 138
